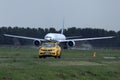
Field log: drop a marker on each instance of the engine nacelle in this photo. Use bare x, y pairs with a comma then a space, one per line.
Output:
37, 43
71, 43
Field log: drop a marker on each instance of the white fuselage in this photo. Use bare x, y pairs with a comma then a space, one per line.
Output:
54, 36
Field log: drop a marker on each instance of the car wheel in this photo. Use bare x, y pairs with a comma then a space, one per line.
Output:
40, 56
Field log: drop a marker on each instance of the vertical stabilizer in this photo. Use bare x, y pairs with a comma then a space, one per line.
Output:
62, 27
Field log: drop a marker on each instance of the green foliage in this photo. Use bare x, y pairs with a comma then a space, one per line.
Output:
21, 63
40, 33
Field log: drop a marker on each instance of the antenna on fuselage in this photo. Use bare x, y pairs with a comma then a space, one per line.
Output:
62, 27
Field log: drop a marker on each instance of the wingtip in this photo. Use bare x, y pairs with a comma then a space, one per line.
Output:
4, 34
113, 36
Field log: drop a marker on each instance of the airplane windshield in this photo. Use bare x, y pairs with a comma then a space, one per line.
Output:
48, 45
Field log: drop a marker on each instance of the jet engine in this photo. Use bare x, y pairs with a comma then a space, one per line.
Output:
37, 43
71, 43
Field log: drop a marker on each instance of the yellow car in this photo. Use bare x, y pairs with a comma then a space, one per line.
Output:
50, 49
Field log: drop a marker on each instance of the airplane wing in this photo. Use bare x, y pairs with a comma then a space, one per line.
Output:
73, 37
23, 37
86, 39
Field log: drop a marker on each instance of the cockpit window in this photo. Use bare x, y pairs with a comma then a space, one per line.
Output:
48, 45
47, 37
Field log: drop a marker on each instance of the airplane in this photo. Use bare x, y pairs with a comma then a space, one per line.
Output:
58, 37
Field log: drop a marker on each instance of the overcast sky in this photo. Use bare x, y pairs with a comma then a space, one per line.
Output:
103, 14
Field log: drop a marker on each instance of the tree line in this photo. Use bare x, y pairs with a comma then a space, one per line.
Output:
73, 31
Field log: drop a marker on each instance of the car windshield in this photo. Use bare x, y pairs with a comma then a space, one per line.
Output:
48, 45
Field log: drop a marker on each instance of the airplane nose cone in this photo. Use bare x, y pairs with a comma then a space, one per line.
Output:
48, 39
